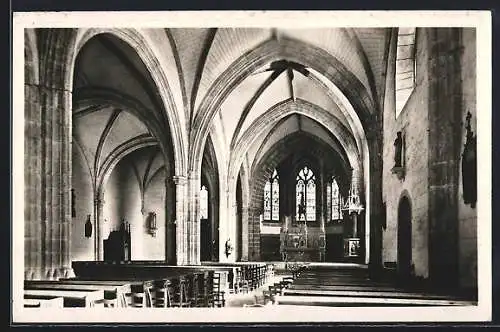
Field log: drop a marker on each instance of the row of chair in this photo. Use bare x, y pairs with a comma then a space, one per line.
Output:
246, 277
200, 289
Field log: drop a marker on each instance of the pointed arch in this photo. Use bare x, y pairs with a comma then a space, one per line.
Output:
290, 49
60, 68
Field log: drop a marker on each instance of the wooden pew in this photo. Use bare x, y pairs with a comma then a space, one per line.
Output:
114, 295
123, 286
136, 292
371, 293
43, 301
299, 286
72, 298
338, 301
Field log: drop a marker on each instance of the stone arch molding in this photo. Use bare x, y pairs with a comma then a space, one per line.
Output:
294, 50
272, 116
142, 46
118, 154
280, 111
85, 101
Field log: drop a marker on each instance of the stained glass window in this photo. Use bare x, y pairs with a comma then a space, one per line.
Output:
305, 189
336, 201
267, 201
328, 201
276, 198
203, 203
272, 198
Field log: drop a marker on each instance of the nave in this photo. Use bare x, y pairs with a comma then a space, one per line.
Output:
230, 167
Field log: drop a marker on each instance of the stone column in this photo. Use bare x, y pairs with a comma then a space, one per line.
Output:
180, 220
192, 221
244, 233
356, 186
228, 229
98, 226
32, 184
254, 234
445, 144
374, 136
55, 182
323, 214
170, 217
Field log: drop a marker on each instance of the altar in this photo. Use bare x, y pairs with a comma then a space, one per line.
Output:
301, 243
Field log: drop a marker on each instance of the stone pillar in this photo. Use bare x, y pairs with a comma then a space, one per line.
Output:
244, 233
254, 234
356, 186
228, 229
32, 184
323, 214
180, 220
375, 142
98, 226
47, 155
192, 221
170, 218
445, 143
55, 182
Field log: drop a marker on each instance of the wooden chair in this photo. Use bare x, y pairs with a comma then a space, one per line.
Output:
178, 292
110, 299
141, 296
201, 300
243, 285
192, 289
161, 293
218, 299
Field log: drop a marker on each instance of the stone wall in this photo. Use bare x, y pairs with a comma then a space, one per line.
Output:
466, 214
82, 248
122, 200
413, 123
144, 245
444, 229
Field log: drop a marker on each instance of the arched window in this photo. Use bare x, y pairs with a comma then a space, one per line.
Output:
405, 67
203, 203
336, 201
272, 198
306, 195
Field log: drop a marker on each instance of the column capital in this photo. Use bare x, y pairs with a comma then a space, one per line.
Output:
179, 179
99, 198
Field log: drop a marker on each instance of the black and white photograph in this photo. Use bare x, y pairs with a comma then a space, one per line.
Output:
251, 167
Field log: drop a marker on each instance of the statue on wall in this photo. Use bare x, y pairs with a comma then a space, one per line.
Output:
469, 166
88, 227
228, 248
73, 210
398, 150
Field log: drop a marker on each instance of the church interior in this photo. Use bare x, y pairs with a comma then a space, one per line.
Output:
250, 167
